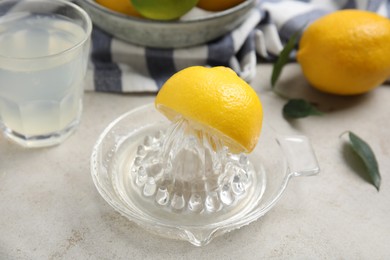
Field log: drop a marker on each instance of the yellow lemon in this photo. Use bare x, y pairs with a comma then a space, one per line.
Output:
163, 9
216, 99
120, 6
218, 5
346, 52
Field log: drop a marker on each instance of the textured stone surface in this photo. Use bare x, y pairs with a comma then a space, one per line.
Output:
50, 208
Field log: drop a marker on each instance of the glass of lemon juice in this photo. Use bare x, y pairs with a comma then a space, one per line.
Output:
44, 47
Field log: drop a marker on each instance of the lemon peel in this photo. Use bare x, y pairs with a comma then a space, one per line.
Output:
215, 99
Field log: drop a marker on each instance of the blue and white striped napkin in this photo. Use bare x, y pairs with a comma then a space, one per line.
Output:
118, 66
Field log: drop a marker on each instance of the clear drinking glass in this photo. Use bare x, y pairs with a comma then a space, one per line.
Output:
44, 47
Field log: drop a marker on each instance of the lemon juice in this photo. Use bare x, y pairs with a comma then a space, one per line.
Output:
42, 70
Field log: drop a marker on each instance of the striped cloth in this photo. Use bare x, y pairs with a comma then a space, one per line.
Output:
117, 66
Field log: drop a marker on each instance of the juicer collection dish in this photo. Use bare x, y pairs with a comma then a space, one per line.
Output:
141, 198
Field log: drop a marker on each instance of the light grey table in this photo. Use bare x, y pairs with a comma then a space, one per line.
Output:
50, 208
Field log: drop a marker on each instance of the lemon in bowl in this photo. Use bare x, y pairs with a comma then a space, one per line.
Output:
218, 5
121, 6
163, 9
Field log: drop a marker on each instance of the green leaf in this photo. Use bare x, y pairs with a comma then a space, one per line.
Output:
298, 108
367, 155
283, 58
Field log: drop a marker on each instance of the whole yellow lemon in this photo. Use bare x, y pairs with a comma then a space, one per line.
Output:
346, 52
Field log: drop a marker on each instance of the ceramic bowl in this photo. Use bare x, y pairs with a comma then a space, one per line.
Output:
195, 28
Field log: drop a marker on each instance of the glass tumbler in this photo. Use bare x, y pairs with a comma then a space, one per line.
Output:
44, 48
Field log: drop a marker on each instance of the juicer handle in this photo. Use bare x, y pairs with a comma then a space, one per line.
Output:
300, 155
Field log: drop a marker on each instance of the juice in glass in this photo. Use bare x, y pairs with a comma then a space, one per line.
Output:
43, 59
